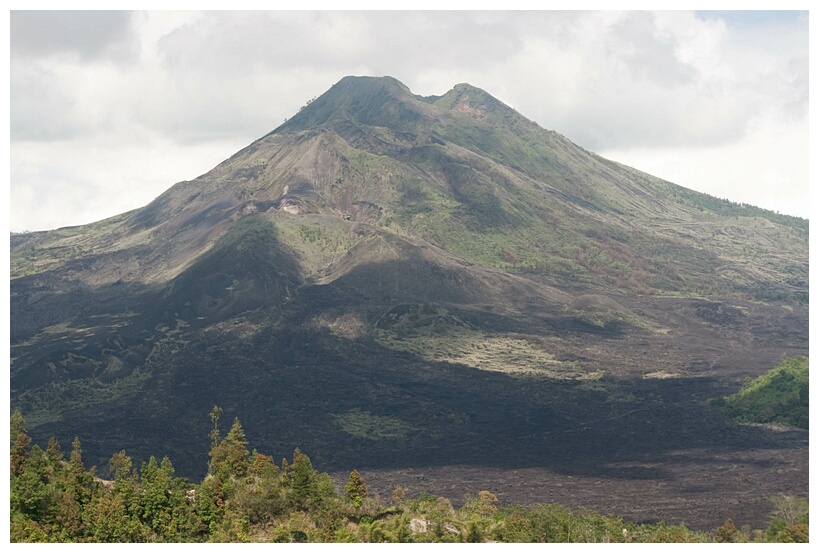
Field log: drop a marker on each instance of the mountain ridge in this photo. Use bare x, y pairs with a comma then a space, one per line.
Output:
439, 264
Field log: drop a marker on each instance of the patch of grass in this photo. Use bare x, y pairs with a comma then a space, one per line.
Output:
50, 402
661, 375
318, 242
601, 312
364, 424
434, 335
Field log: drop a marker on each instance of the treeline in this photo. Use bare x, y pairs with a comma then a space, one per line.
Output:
247, 497
730, 208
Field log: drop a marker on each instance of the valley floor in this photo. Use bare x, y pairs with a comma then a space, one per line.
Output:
694, 487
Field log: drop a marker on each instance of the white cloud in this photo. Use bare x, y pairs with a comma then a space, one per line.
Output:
639, 79
656, 90
64, 183
769, 166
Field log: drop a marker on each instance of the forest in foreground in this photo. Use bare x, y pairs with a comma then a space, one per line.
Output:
247, 497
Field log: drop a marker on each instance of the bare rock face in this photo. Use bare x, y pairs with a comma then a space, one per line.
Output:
418, 526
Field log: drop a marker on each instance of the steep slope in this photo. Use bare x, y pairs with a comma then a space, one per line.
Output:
471, 176
441, 267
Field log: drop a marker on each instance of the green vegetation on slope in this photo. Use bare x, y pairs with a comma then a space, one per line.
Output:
736, 209
247, 497
780, 396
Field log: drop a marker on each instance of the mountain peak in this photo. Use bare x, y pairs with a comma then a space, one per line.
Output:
354, 83
377, 101
476, 103
387, 102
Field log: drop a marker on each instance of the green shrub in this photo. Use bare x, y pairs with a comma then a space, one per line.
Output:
779, 396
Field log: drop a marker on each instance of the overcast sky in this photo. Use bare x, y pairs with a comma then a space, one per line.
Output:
109, 109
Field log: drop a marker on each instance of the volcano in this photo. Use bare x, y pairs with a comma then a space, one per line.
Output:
400, 283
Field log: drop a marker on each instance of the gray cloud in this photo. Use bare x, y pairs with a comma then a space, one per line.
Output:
642, 79
631, 83
57, 59
610, 81
40, 109
387, 42
648, 54
605, 79
230, 44
91, 35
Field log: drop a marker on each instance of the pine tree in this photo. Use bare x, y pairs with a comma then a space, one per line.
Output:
237, 454
53, 451
356, 489
303, 483
263, 466
106, 519
19, 442
215, 413
78, 481
29, 486
127, 493
727, 533
155, 505
76, 486
229, 457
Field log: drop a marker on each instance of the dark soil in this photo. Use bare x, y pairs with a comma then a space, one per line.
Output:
636, 439
694, 487
652, 449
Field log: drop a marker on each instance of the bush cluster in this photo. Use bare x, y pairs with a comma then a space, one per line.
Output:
248, 497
